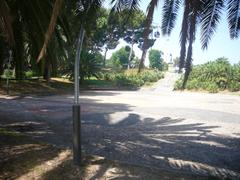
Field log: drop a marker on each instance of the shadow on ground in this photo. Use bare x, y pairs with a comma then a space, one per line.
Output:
19, 154
165, 143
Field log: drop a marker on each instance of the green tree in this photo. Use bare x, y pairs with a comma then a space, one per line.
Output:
90, 64
198, 12
176, 62
24, 30
155, 59
121, 57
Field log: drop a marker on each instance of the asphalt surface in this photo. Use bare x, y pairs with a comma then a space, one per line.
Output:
182, 131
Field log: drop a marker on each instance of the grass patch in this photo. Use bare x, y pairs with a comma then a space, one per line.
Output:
36, 87
94, 83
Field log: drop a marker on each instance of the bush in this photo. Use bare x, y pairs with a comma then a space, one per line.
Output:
29, 74
178, 84
109, 76
129, 81
234, 86
194, 84
212, 88
8, 73
131, 78
149, 76
213, 76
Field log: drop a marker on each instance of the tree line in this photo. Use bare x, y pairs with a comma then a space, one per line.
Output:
52, 26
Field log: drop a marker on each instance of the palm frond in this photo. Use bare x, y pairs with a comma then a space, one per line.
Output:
56, 10
170, 11
5, 23
210, 18
119, 5
234, 18
133, 5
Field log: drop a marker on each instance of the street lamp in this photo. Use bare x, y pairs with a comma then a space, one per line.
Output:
76, 106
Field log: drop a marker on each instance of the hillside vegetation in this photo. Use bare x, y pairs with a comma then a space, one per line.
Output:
213, 76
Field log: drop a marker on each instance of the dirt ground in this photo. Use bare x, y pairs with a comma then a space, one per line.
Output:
24, 158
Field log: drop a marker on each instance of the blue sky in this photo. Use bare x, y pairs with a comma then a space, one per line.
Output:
220, 45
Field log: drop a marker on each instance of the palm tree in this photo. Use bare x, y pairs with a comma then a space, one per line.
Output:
150, 11
204, 12
24, 30
207, 14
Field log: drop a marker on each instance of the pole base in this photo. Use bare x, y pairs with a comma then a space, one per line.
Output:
77, 134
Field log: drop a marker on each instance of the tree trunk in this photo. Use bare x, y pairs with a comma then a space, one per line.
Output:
141, 65
105, 56
18, 49
146, 32
188, 65
1, 56
81, 79
47, 70
130, 55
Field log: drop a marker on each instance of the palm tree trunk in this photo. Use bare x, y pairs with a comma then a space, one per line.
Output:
1, 56
18, 49
105, 57
184, 36
146, 32
188, 66
47, 70
56, 10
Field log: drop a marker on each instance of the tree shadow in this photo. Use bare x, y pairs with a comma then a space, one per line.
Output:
19, 154
165, 143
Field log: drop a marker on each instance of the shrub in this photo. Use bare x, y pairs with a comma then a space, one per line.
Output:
149, 76
234, 86
129, 81
194, 84
213, 76
109, 76
212, 88
178, 84
131, 78
29, 74
8, 73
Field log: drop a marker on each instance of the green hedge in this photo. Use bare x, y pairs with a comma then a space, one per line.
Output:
213, 76
131, 78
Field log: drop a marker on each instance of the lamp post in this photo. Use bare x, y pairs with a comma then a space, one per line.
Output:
76, 107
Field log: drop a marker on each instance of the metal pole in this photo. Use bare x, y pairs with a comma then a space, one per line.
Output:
76, 107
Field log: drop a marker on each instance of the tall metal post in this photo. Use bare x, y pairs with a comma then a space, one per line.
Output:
76, 107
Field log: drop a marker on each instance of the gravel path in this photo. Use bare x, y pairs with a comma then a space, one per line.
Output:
186, 132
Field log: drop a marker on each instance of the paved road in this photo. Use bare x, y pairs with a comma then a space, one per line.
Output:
192, 132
